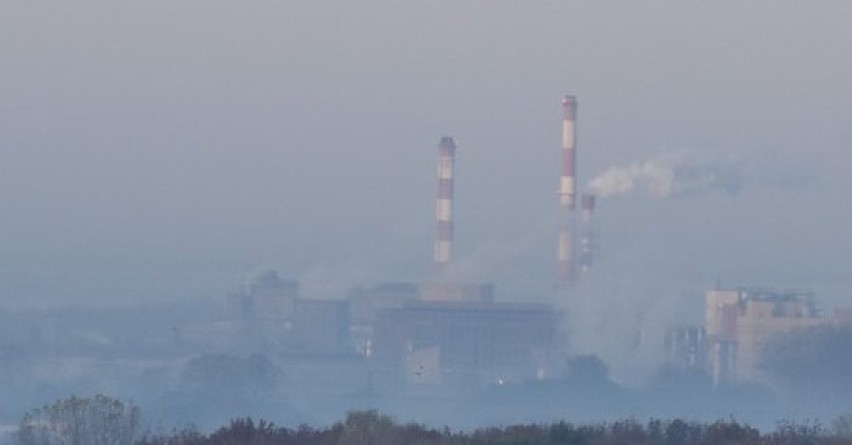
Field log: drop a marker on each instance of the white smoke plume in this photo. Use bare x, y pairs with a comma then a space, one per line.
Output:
669, 175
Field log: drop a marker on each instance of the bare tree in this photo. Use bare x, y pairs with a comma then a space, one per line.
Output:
100, 420
368, 428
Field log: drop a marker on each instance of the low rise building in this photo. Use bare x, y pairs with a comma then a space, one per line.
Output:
478, 341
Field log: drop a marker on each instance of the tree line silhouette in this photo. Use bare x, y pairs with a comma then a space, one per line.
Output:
373, 428
102, 420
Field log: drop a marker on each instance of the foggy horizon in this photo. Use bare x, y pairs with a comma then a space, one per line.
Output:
302, 137
164, 154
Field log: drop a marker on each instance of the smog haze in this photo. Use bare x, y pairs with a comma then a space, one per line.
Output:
170, 152
210, 134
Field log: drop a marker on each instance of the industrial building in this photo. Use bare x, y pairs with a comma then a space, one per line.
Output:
268, 297
483, 342
740, 323
436, 330
271, 312
430, 332
439, 330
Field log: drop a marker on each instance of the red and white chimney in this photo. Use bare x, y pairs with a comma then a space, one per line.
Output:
444, 203
567, 192
568, 180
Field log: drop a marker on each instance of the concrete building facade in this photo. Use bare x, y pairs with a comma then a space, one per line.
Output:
740, 323
484, 342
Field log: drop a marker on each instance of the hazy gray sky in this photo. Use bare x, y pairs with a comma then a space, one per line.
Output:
302, 134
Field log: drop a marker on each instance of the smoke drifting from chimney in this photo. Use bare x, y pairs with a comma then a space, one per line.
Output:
670, 175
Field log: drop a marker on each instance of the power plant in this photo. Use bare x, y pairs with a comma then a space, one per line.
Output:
441, 330
572, 258
439, 340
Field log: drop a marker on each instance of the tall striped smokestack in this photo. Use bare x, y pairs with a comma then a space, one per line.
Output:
587, 236
568, 180
444, 203
567, 192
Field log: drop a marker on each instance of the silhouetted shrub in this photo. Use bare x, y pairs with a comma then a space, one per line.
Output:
100, 420
373, 428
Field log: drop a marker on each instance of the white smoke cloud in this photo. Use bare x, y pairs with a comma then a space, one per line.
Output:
669, 175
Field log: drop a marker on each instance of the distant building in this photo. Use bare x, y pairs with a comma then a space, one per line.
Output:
739, 324
431, 332
478, 341
268, 298
366, 302
270, 314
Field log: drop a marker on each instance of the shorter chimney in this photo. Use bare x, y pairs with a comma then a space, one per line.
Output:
587, 232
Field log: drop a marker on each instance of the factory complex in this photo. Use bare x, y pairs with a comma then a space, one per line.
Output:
441, 331
436, 331
439, 346
429, 333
